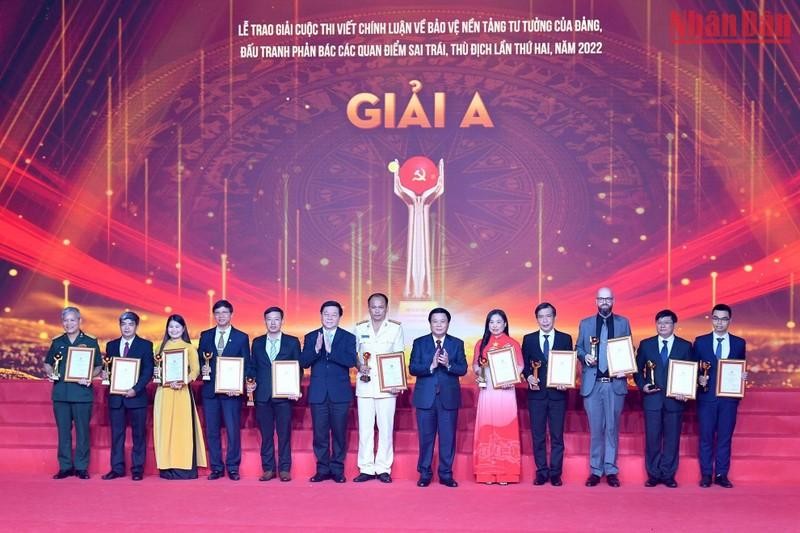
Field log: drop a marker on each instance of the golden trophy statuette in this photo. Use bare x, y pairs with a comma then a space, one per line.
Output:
481, 379
536, 365
651, 366
250, 400
55, 376
594, 342
207, 366
705, 365
106, 371
157, 368
365, 377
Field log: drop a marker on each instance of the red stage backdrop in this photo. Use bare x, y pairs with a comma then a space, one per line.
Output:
157, 156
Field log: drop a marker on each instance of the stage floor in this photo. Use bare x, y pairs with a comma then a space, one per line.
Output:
37, 503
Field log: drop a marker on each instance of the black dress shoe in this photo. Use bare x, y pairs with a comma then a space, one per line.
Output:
612, 480
449, 482
136, 477
723, 481
540, 479
338, 478
555, 481
384, 477
362, 477
592, 480
111, 475
424, 482
234, 476
82, 474
316, 478
651, 482
216, 474
671, 483
705, 482
285, 476
61, 474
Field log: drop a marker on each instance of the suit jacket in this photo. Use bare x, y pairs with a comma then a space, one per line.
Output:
289, 350
588, 329
650, 350
532, 351
704, 351
237, 345
330, 371
446, 380
141, 349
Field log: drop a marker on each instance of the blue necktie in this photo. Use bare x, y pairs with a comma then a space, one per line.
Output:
718, 351
602, 364
664, 352
546, 350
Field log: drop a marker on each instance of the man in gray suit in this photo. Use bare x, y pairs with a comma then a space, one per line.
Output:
603, 394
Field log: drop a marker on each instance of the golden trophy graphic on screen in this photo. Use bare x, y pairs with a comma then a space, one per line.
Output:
418, 182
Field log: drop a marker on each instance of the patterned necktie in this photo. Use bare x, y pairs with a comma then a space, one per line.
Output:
126, 349
603, 360
272, 351
546, 350
221, 342
664, 352
718, 351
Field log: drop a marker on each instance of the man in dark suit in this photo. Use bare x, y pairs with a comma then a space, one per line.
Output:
133, 405
226, 341
546, 405
72, 402
716, 417
662, 416
437, 361
603, 393
330, 352
274, 415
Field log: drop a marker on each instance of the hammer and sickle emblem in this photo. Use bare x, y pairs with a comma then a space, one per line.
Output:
419, 175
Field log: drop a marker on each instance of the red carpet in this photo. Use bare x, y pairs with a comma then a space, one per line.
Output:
36, 503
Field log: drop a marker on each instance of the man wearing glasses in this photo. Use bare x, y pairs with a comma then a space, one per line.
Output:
603, 394
716, 417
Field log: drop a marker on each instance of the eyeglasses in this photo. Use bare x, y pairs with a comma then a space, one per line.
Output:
720, 319
609, 299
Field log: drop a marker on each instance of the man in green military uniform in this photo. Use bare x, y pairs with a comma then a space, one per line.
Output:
72, 402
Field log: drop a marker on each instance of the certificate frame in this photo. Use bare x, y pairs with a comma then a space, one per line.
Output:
620, 356
286, 379
123, 366
227, 370
725, 366
557, 360
500, 361
75, 356
172, 355
682, 379
391, 361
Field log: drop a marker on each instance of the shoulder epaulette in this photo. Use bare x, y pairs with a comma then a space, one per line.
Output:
362, 322
395, 321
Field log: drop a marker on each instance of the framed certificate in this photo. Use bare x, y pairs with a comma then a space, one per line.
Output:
229, 376
391, 371
285, 379
80, 363
503, 366
682, 379
561, 367
174, 366
124, 374
729, 378
620, 356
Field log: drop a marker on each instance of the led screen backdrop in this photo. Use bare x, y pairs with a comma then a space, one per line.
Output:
160, 155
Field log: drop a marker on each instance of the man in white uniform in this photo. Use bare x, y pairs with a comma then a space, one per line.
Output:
375, 336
